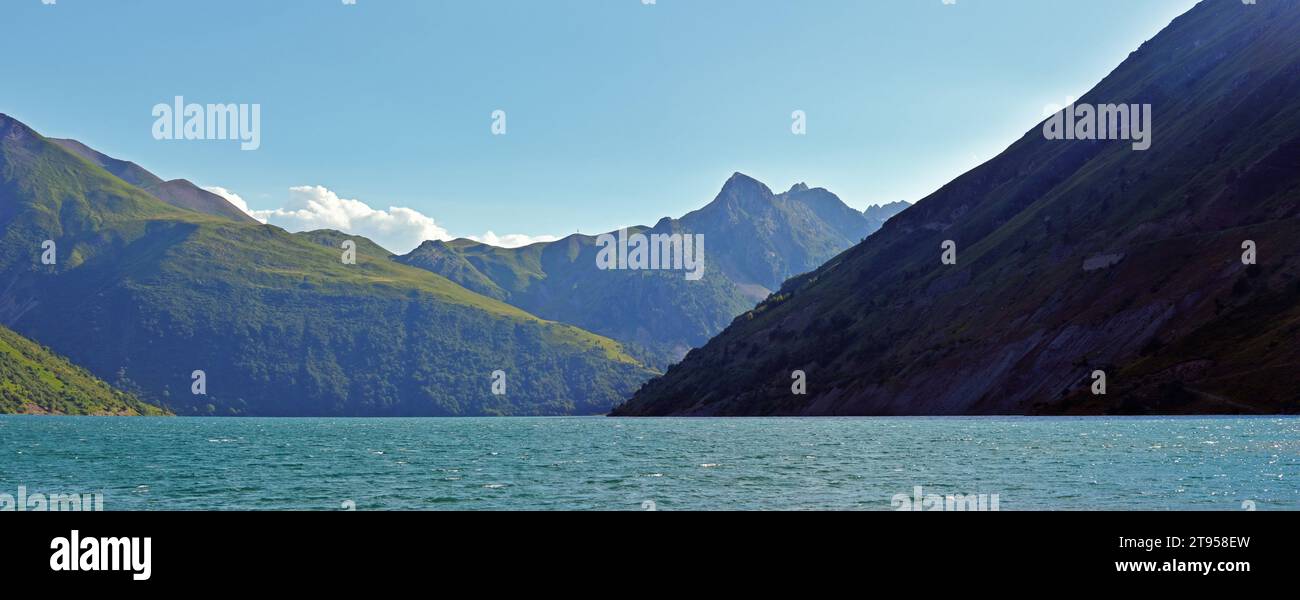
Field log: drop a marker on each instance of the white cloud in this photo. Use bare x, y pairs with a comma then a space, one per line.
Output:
234, 199
312, 207
398, 229
511, 240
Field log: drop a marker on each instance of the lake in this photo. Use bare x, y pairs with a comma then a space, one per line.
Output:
184, 463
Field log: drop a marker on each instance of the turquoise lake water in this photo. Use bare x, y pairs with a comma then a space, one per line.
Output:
665, 464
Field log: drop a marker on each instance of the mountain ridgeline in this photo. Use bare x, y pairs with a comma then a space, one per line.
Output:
754, 240
1170, 276
177, 192
149, 289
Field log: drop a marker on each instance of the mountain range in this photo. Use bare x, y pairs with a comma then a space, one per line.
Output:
1064, 276
754, 240
1077, 263
158, 282
155, 282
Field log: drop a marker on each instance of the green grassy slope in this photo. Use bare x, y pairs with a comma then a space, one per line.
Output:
35, 381
1176, 320
277, 322
177, 192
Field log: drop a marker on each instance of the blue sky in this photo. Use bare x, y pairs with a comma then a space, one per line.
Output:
618, 113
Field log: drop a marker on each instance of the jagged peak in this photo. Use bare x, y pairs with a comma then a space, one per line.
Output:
741, 181
897, 204
428, 245
740, 187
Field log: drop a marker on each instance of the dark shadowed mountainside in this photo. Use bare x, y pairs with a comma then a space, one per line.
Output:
1073, 257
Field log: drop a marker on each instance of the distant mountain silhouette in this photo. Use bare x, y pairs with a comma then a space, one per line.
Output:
754, 240
877, 215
